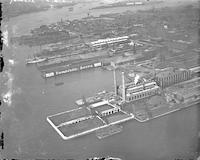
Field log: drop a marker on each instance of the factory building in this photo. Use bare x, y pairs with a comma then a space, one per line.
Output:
170, 76
137, 90
186, 91
104, 108
101, 42
110, 111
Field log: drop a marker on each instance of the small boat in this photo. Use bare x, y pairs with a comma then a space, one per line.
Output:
94, 99
59, 83
35, 60
104, 158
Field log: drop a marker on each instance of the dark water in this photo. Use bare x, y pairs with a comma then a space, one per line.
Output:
28, 135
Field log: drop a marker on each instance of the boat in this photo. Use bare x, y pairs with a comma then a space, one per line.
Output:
89, 100
96, 98
59, 83
35, 60
108, 131
104, 158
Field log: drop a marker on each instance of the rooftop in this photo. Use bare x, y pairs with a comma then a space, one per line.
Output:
185, 86
103, 107
168, 71
98, 104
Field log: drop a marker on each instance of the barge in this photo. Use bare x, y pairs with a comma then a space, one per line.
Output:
108, 131
71, 68
103, 95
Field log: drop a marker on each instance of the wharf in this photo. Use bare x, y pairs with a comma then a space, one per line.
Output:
84, 120
162, 111
176, 97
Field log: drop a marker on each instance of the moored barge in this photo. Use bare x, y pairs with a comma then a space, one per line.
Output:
71, 68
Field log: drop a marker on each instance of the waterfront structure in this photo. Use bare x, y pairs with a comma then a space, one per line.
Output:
104, 108
71, 68
85, 120
135, 92
186, 91
101, 42
169, 76
138, 89
141, 100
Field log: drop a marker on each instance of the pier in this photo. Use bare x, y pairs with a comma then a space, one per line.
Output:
82, 121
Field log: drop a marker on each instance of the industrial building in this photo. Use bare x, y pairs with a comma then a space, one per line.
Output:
101, 42
169, 76
104, 108
138, 89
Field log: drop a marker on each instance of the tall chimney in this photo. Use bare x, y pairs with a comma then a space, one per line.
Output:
123, 88
115, 81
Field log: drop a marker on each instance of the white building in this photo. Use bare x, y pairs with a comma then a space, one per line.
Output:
28, 1
101, 42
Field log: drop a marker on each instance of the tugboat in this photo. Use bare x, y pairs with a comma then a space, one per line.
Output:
104, 158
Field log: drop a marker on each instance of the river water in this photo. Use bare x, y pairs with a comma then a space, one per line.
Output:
28, 134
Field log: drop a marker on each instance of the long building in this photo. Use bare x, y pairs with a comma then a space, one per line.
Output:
101, 42
133, 92
169, 76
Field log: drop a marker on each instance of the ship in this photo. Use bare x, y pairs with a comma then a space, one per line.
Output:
59, 62
35, 60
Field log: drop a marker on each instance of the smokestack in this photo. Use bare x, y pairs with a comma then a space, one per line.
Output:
115, 81
123, 88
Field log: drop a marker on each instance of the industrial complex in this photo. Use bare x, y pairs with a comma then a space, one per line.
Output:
169, 90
